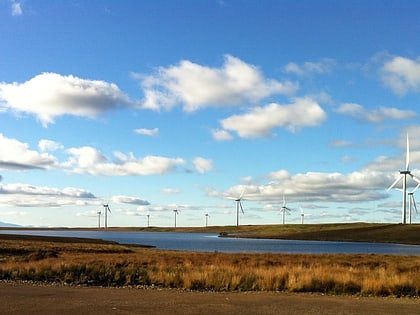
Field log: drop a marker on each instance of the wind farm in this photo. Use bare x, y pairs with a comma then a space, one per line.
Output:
234, 151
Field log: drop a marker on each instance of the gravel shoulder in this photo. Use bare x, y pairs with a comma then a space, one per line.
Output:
28, 298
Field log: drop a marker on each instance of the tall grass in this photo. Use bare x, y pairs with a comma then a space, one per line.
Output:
117, 265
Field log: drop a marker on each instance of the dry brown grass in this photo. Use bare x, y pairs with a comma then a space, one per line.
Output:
96, 263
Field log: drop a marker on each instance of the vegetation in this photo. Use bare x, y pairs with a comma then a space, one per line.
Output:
100, 263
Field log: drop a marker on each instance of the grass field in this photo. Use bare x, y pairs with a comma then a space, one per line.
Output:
100, 263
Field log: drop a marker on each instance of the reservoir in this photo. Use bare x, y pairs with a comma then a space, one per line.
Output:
210, 242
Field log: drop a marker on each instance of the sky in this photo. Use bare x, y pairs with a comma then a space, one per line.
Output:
155, 106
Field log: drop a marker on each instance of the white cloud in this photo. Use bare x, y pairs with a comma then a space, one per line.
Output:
16, 8
221, 135
88, 160
260, 121
324, 66
202, 165
50, 95
48, 145
17, 155
375, 115
402, 75
359, 186
170, 191
147, 132
130, 200
24, 195
196, 86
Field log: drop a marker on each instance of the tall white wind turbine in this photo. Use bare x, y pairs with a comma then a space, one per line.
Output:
403, 176
99, 219
412, 202
302, 215
176, 213
284, 209
239, 206
106, 209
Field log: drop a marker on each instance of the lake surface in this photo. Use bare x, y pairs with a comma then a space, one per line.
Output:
209, 242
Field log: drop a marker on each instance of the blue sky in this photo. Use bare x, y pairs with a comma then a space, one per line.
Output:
160, 105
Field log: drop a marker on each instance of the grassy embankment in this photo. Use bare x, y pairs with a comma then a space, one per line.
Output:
94, 262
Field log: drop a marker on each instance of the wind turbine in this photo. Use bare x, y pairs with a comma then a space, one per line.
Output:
207, 219
99, 219
403, 176
412, 202
284, 209
302, 215
176, 212
106, 209
239, 206
148, 220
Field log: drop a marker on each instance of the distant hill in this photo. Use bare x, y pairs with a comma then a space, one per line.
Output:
4, 224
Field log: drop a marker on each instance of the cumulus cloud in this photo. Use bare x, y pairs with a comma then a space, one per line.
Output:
25, 195
202, 165
16, 8
323, 66
365, 185
170, 191
221, 135
49, 95
147, 132
375, 115
88, 160
402, 75
48, 145
195, 86
130, 200
260, 121
16, 155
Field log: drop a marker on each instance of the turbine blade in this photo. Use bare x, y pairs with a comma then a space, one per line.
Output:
417, 187
414, 203
415, 178
396, 181
407, 162
242, 209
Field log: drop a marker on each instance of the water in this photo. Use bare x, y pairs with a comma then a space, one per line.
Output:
209, 242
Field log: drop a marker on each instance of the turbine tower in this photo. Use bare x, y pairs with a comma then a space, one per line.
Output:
99, 219
412, 202
302, 215
148, 220
403, 176
176, 213
239, 206
284, 209
106, 209
207, 219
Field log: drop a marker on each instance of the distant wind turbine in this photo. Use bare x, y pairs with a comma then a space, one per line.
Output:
302, 215
99, 219
403, 176
148, 220
239, 206
106, 209
176, 213
207, 219
284, 209
412, 202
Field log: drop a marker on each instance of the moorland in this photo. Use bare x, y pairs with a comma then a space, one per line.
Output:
90, 262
